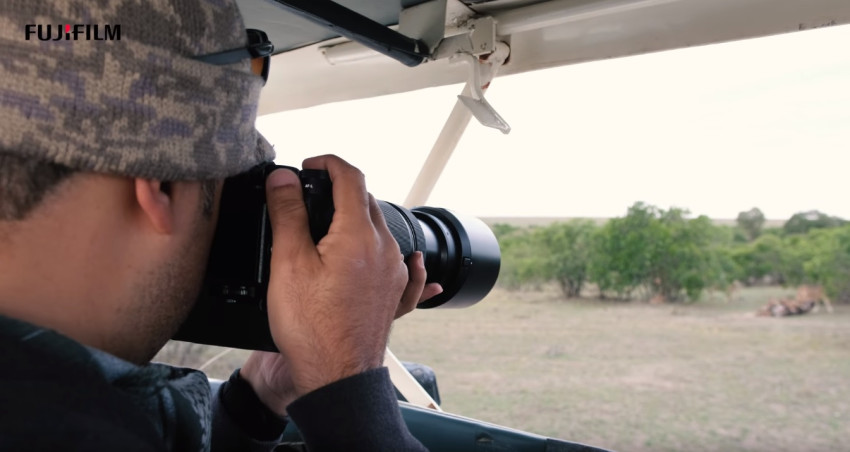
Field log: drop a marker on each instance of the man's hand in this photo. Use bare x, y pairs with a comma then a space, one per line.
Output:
330, 305
268, 373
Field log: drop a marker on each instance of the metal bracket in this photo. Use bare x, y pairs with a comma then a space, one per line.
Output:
478, 37
482, 72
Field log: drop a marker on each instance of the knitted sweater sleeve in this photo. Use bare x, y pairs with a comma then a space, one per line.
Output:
358, 413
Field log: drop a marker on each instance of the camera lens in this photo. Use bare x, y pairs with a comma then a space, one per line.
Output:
461, 253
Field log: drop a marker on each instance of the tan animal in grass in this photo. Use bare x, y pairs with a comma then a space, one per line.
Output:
815, 294
808, 298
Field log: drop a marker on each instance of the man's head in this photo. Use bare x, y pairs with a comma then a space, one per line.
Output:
110, 153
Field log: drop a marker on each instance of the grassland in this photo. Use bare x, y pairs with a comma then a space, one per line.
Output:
708, 376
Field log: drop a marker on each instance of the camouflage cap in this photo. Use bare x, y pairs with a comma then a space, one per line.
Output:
138, 105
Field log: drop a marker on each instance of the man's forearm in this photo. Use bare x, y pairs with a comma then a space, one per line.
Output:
358, 413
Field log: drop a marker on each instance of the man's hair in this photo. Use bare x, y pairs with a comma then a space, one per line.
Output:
24, 182
208, 197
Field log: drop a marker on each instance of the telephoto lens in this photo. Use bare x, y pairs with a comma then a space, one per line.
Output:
461, 254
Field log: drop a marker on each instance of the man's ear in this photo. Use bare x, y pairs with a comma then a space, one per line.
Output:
154, 198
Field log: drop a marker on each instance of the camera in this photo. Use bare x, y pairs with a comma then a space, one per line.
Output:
460, 253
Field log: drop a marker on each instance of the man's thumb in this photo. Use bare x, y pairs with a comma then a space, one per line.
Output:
287, 213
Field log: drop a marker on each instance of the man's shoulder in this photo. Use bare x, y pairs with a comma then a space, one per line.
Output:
52, 395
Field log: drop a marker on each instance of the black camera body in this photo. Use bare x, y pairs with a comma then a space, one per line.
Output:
461, 253
231, 307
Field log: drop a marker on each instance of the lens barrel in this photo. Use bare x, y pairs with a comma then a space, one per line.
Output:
461, 253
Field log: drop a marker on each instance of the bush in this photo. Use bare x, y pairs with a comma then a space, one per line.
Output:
829, 265
660, 252
520, 256
567, 248
663, 253
559, 253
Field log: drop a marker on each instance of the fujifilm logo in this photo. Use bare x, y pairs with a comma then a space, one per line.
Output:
74, 32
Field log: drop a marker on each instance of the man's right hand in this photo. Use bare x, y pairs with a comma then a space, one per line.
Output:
331, 304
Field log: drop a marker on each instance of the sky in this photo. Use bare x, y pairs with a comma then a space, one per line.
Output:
715, 129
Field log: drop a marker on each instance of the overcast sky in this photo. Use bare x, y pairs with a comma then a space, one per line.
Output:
715, 129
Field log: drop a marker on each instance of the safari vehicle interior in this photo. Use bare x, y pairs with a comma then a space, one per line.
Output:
331, 51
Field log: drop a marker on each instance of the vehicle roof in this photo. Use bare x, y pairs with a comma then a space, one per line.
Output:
541, 34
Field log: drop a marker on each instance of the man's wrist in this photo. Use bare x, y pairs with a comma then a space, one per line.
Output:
307, 380
246, 409
274, 398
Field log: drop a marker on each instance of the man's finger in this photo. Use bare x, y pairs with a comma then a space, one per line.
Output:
431, 290
287, 214
379, 224
351, 200
377, 215
416, 282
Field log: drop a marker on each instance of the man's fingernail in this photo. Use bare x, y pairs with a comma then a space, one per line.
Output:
281, 178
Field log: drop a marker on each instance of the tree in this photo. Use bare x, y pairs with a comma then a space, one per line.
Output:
559, 252
751, 222
684, 267
521, 257
623, 250
829, 265
803, 222
568, 248
764, 257
660, 252
501, 230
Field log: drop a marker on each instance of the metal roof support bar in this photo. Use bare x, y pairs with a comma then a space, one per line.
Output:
411, 52
453, 129
407, 384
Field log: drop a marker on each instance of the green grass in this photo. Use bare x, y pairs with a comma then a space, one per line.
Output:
707, 376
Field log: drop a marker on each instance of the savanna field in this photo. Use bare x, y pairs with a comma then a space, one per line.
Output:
709, 376
631, 376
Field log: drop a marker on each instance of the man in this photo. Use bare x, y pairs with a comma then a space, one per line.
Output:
112, 156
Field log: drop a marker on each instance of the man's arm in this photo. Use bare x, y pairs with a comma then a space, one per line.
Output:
358, 413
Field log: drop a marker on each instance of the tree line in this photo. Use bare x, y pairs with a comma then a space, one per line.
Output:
666, 254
